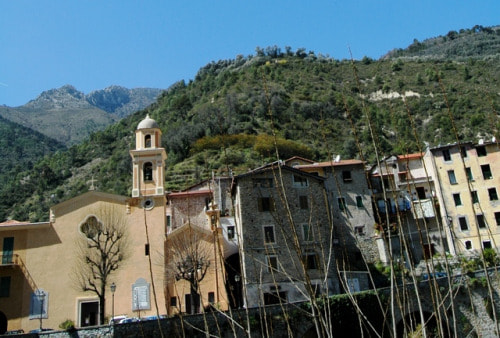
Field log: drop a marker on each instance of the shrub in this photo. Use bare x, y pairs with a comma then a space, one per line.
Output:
68, 324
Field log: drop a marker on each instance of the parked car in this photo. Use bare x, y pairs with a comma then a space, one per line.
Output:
128, 320
434, 274
152, 317
40, 330
13, 332
117, 319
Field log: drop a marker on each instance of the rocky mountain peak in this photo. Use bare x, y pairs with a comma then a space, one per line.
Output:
110, 98
63, 97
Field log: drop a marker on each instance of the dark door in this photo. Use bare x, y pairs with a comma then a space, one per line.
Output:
89, 314
8, 250
421, 193
3, 323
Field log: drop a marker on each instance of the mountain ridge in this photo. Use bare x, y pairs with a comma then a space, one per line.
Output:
69, 116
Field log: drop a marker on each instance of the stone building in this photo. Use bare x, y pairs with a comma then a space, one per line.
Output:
285, 235
351, 208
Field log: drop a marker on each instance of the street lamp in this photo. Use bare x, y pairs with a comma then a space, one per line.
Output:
237, 279
41, 298
113, 289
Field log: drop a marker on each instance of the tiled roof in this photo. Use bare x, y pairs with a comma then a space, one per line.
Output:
331, 164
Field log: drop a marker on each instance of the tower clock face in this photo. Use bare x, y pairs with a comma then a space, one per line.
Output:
148, 203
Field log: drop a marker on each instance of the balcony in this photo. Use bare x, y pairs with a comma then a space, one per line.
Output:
14, 261
9, 259
423, 208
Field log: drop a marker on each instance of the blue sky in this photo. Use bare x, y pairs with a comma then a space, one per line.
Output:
94, 44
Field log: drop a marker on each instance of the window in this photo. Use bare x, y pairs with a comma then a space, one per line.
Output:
497, 218
230, 232
299, 181
485, 168
486, 244
7, 250
271, 298
148, 171
463, 223
272, 263
341, 202
91, 227
307, 232
346, 176
169, 220
480, 221
147, 141
468, 245
481, 151
269, 234
262, 182
310, 260
492, 192
468, 172
457, 199
173, 301
451, 176
446, 155
146, 249
359, 201
359, 230
303, 202
475, 198
266, 204
463, 152
5, 286
211, 297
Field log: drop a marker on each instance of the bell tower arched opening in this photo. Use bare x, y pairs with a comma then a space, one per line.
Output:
148, 160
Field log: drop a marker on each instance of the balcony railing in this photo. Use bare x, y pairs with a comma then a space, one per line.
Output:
16, 261
423, 208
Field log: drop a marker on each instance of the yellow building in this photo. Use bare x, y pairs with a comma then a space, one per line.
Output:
40, 274
468, 183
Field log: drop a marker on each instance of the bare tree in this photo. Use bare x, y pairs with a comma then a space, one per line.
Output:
102, 248
188, 258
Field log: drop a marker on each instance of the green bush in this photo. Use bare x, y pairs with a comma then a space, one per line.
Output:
68, 324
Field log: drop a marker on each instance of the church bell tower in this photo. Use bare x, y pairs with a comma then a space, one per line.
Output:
148, 160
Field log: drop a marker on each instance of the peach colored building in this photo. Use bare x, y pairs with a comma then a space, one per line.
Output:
40, 260
468, 186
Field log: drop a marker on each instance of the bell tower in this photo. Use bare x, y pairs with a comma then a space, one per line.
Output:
148, 160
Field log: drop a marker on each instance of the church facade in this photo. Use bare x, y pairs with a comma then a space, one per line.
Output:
41, 275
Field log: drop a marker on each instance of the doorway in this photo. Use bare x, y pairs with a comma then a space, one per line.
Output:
89, 313
420, 193
3, 323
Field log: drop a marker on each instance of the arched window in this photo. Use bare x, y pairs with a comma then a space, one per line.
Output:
147, 141
91, 227
148, 171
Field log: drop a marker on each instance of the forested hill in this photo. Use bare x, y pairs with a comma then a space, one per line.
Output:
477, 41
20, 147
316, 106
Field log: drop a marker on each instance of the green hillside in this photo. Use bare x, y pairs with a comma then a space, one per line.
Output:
477, 41
317, 107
